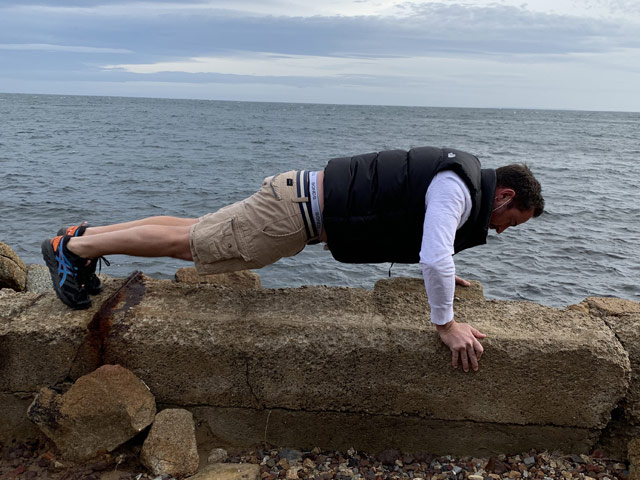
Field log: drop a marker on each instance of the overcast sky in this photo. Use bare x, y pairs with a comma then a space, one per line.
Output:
559, 54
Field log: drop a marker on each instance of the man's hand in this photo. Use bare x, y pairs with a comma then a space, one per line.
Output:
462, 282
462, 339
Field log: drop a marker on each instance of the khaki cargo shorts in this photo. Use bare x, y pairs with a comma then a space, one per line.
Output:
251, 233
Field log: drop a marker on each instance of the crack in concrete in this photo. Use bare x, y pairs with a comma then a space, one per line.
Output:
130, 294
266, 408
246, 377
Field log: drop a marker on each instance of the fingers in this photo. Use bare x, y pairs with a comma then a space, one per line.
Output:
476, 333
469, 356
479, 350
465, 354
474, 358
462, 282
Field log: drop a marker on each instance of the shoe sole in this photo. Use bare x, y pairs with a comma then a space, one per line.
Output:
95, 285
49, 256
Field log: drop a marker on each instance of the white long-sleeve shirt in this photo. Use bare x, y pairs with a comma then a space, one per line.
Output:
448, 203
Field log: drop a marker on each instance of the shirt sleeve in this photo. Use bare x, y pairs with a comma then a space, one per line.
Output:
448, 206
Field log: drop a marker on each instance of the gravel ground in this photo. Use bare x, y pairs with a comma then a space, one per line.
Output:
38, 460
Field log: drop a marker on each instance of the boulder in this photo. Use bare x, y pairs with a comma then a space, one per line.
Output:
38, 279
242, 280
170, 449
13, 271
100, 411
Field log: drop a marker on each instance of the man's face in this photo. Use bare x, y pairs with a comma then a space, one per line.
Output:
505, 214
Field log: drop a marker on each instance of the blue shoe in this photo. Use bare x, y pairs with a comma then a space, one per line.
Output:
66, 277
93, 283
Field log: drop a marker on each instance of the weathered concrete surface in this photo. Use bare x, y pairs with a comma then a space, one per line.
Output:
368, 352
242, 280
623, 317
373, 433
43, 342
322, 359
13, 417
633, 448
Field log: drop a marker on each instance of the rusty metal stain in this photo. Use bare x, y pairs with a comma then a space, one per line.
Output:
125, 298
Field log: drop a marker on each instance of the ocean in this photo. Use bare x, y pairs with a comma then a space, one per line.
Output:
65, 159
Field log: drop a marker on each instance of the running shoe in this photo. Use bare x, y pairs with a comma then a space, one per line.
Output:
65, 273
93, 283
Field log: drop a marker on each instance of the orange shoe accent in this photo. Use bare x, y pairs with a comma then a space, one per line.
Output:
55, 242
71, 231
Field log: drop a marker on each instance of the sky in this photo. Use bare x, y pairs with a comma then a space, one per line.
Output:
547, 54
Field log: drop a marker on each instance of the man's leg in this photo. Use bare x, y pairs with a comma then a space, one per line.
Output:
72, 259
141, 240
159, 220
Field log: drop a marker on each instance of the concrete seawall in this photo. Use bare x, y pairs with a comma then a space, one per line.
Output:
339, 367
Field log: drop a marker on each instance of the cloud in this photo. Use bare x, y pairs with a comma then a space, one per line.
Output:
264, 65
60, 48
464, 52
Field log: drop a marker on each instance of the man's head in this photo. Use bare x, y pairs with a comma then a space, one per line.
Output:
518, 197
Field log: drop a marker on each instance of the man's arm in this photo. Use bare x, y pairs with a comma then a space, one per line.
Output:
448, 203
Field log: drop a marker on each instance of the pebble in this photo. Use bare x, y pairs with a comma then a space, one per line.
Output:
217, 455
36, 461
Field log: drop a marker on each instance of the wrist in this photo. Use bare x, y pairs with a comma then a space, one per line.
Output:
446, 326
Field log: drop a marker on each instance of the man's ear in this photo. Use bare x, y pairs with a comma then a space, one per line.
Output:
504, 193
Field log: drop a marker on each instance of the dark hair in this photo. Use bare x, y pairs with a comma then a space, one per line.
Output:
518, 177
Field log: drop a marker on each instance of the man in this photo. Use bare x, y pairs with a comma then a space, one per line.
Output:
393, 206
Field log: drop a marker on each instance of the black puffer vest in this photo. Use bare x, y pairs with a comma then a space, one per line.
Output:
374, 204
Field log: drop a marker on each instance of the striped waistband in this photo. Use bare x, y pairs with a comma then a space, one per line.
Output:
310, 210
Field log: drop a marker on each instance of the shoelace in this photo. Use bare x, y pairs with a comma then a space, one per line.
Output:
85, 273
100, 260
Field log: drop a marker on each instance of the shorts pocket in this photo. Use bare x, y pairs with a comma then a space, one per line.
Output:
221, 241
285, 237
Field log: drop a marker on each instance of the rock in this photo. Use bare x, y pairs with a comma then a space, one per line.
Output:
242, 280
290, 455
389, 456
576, 458
101, 411
292, 473
495, 465
228, 471
217, 455
170, 448
13, 271
38, 279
